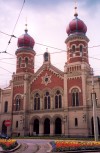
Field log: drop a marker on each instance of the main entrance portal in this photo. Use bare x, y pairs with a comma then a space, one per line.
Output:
47, 126
36, 126
58, 126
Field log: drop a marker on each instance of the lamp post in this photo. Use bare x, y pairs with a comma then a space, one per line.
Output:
12, 122
94, 111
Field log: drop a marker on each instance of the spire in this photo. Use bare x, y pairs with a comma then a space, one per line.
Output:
26, 30
75, 14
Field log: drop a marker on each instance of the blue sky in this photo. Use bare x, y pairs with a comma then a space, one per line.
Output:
47, 21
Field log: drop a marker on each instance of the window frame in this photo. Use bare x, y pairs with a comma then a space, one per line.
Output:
58, 99
17, 103
6, 107
37, 101
47, 100
76, 121
75, 97
20, 61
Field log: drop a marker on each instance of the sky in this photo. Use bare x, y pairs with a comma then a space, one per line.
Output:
47, 21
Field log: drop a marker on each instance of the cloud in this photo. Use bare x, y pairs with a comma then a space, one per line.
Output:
47, 25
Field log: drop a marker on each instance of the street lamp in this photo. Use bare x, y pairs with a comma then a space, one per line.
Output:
94, 111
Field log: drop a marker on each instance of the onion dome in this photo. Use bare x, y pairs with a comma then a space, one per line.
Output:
76, 26
25, 40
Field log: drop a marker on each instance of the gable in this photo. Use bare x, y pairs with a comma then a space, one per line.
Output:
47, 78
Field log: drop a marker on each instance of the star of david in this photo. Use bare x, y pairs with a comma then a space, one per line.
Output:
46, 79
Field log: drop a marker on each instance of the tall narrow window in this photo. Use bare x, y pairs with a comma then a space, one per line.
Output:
16, 124
81, 50
76, 122
47, 101
73, 50
6, 106
26, 62
17, 103
37, 102
19, 62
58, 99
75, 97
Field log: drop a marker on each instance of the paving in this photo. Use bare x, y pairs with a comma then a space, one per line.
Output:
27, 148
41, 148
32, 148
38, 148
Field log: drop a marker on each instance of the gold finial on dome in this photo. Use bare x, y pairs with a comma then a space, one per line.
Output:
26, 30
75, 14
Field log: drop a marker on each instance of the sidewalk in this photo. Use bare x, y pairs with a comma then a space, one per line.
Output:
32, 148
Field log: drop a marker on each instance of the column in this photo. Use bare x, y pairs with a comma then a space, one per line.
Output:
25, 107
86, 125
63, 128
84, 84
31, 129
52, 102
51, 128
65, 125
41, 102
41, 126
65, 102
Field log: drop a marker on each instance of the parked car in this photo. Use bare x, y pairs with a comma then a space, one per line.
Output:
4, 136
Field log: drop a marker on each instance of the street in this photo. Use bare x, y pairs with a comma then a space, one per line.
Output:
33, 146
36, 146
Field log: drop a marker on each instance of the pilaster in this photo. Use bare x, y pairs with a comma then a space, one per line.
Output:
65, 103
51, 128
41, 132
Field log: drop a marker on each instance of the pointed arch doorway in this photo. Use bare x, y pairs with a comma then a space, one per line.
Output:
58, 126
47, 126
36, 126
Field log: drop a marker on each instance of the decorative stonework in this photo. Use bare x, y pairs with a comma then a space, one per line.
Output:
46, 79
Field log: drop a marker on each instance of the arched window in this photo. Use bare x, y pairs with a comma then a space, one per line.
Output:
81, 50
36, 101
76, 122
58, 100
47, 101
73, 48
46, 56
6, 106
17, 103
26, 62
16, 124
75, 97
19, 62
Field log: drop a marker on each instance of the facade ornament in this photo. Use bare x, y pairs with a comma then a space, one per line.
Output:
46, 79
